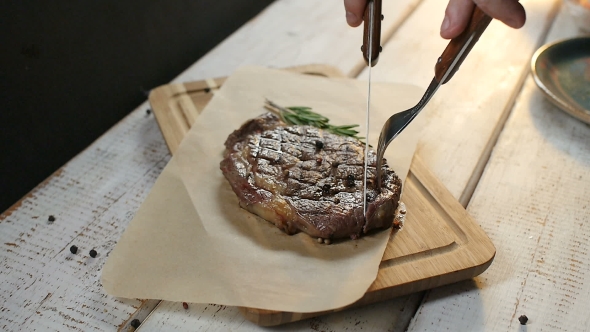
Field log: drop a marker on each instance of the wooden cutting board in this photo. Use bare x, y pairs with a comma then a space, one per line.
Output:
439, 244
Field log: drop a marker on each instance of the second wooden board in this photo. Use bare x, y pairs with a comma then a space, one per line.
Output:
439, 244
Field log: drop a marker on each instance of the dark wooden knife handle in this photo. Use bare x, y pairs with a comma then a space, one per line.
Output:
477, 25
376, 28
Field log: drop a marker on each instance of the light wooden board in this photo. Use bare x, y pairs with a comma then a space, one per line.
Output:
534, 202
467, 114
183, 103
440, 243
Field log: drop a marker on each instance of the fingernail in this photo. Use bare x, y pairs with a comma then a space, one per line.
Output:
445, 24
351, 18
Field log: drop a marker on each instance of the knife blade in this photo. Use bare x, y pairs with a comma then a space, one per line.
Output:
371, 48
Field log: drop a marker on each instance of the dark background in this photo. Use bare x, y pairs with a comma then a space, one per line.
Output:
70, 69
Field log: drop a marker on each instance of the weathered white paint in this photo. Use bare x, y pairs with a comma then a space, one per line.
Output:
386, 316
44, 286
534, 203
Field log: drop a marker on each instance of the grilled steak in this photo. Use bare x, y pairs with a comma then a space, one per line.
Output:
302, 178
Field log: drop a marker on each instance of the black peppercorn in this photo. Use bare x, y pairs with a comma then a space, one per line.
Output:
135, 323
326, 189
93, 253
207, 90
523, 319
319, 144
148, 111
73, 249
51, 219
350, 179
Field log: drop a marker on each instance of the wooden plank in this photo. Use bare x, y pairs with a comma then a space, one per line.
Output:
467, 114
293, 33
534, 202
440, 243
92, 198
384, 316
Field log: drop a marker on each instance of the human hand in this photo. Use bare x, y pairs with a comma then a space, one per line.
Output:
354, 11
457, 14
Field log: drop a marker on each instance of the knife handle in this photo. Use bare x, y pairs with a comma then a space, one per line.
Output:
477, 25
372, 18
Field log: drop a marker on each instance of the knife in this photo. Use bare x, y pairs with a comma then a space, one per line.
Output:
371, 48
372, 32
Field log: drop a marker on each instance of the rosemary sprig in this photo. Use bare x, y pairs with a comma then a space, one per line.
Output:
302, 115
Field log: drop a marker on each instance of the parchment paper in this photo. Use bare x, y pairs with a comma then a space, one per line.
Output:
190, 241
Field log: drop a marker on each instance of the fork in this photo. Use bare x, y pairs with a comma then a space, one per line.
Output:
446, 66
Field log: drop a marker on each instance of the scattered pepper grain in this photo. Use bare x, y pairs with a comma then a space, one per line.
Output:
350, 180
523, 319
135, 323
185, 305
73, 249
93, 253
51, 219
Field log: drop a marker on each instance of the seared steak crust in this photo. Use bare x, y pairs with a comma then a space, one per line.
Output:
302, 178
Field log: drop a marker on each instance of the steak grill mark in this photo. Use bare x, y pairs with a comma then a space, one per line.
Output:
302, 178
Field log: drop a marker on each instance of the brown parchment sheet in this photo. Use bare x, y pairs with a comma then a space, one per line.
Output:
190, 241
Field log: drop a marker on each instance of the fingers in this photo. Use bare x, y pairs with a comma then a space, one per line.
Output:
354, 11
510, 12
458, 13
457, 17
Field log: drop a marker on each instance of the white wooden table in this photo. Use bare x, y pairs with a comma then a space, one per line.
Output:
519, 165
